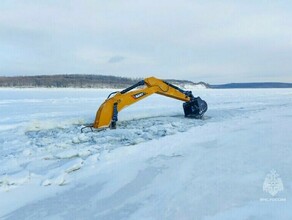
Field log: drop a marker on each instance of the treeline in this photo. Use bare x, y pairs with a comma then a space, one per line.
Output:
77, 81
65, 81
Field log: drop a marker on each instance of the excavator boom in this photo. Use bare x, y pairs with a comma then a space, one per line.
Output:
107, 114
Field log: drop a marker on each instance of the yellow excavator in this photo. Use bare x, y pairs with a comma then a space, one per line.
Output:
107, 114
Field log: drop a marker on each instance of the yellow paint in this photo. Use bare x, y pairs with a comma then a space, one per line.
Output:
152, 85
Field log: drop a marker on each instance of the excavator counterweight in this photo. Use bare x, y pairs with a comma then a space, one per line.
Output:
107, 114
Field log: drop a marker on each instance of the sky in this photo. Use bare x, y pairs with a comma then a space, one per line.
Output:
212, 41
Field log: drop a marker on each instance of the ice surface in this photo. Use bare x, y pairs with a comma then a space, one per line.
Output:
155, 165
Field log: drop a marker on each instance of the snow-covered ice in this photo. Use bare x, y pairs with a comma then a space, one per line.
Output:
155, 165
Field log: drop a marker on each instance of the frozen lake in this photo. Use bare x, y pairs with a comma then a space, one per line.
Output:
155, 165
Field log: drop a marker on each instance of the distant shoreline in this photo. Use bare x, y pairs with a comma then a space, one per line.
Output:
81, 81
116, 82
253, 85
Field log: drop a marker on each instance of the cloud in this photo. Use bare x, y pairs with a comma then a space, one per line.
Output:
116, 59
215, 41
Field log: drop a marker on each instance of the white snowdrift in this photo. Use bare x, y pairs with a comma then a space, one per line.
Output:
156, 165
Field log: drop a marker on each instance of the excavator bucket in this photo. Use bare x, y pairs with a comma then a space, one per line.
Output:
195, 108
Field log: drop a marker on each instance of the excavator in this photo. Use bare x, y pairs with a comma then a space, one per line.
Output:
107, 114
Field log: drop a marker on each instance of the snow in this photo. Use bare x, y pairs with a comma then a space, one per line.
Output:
155, 165
194, 87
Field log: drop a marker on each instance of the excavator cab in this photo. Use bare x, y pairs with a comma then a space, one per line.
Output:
107, 114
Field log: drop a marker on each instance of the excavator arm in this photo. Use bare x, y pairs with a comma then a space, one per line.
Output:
107, 114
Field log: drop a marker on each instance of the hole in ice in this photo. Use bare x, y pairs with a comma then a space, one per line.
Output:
127, 133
